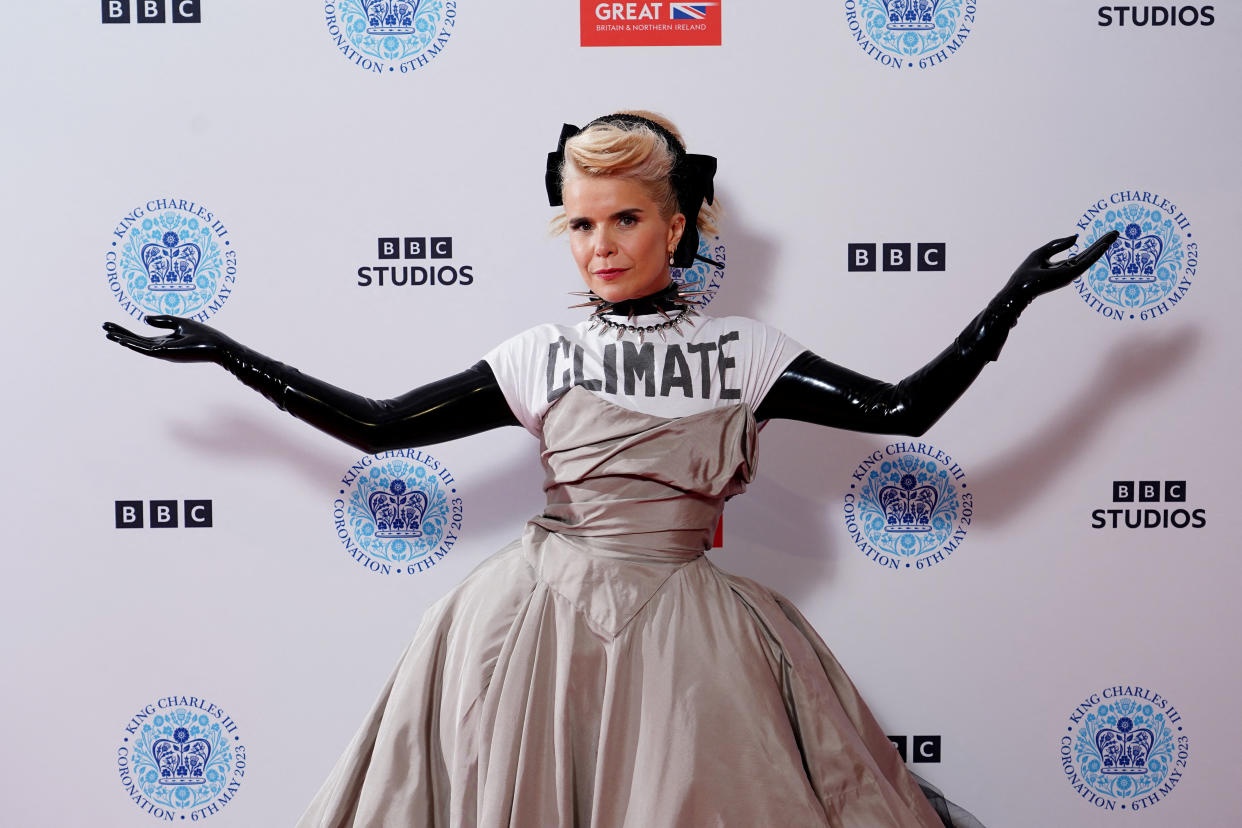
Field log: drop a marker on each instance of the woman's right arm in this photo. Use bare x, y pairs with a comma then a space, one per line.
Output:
456, 406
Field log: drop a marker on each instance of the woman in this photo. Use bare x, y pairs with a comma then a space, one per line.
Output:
601, 671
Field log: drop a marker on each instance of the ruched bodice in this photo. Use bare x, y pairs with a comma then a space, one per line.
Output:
654, 484
649, 495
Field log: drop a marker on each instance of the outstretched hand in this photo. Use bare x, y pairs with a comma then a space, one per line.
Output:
189, 341
1037, 275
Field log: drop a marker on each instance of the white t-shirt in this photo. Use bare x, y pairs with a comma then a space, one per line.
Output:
711, 362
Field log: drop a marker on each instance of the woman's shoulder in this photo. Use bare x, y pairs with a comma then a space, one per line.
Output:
734, 320
737, 323
541, 332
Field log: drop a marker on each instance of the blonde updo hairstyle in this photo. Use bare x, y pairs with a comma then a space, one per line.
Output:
626, 149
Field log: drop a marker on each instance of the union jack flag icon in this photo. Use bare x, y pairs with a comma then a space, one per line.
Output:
689, 11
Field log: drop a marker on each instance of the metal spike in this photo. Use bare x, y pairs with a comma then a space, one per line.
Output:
584, 305
640, 336
660, 310
620, 331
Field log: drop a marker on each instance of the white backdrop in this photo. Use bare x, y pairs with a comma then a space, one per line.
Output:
308, 159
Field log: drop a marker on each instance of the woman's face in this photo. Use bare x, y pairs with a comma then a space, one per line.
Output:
617, 237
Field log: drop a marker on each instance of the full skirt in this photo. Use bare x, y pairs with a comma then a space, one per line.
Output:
567, 685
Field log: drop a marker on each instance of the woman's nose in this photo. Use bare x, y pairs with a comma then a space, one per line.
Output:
604, 245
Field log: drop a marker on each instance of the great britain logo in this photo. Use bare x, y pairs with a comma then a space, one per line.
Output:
398, 512
171, 256
910, 34
703, 277
1150, 268
1124, 748
908, 506
649, 24
390, 35
181, 757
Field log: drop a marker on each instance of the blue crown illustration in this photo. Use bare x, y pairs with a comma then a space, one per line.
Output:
391, 16
908, 507
398, 512
171, 266
181, 759
911, 15
1124, 750
1133, 257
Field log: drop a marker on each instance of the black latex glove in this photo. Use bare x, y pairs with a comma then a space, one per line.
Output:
189, 341
456, 406
1038, 275
814, 390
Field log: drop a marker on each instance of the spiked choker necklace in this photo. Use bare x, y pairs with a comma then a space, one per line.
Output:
672, 303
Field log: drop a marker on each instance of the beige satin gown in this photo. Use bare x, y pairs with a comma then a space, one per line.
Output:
603, 673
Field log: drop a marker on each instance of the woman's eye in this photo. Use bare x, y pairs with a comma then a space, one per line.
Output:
580, 226
627, 221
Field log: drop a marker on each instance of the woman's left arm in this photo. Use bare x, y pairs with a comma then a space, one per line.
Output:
814, 390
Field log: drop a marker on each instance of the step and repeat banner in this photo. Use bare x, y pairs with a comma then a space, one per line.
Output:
197, 607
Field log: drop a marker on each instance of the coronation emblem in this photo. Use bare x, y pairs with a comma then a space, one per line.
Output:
1125, 748
181, 758
171, 256
390, 35
398, 512
1150, 268
909, 34
908, 506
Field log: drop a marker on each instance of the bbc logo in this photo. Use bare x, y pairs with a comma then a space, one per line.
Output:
895, 256
163, 514
415, 247
152, 11
1149, 491
924, 748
